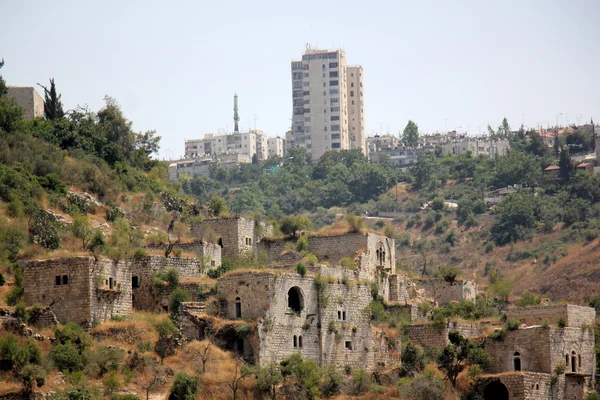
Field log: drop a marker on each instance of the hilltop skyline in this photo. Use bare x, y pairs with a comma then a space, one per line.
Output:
445, 67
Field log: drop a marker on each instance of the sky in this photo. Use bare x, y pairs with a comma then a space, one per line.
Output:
175, 66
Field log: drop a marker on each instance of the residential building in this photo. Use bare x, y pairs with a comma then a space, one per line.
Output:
246, 143
29, 99
320, 96
275, 147
477, 146
382, 142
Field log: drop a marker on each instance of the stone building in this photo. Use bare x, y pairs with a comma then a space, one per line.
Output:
235, 235
443, 292
327, 322
543, 361
29, 99
79, 289
148, 295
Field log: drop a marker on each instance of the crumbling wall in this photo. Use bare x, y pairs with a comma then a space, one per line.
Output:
572, 315
444, 292
399, 288
210, 251
78, 289
254, 290
234, 235
146, 294
527, 385
432, 337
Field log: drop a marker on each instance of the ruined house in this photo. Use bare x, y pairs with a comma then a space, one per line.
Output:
234, 235
150, 295
79, 289
543, 359
325, 320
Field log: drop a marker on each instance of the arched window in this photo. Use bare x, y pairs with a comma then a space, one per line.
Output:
295, 300
573, 362
567, 359
579, 360
238, 307
295, 341
300, 341
517, 361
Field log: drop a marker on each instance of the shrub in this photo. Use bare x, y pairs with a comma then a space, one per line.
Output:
177, 297
66, 357
139, 253
43, 229
111, 383
311, 259
184, 387
356, 223
73, 334
562, 323
426, 386
437, 204
529, 299
441, 226
360, 381
301, 269
449, 273
403, 239
332, 381
389, 231
290, 225
21, 312
512, 325
302, 244
348, 262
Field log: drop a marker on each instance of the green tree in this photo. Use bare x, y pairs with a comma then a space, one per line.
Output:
82, 229
53, 108
301, 376
515, 218
3, 88
66, 357
10, 113
217, 206
43, 229
185, 387
567, 168
458, 354
410, 135
290, 225
167, 337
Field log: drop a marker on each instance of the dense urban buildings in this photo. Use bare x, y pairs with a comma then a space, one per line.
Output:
328, 103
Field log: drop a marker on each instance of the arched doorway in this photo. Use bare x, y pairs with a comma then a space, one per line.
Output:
495, 391
517, 361
295, 300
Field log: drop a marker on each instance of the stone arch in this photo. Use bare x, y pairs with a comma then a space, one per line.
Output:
495, 391
295, 299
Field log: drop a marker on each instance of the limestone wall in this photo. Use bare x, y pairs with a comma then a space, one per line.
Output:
146, 295
255, 291
235, 235
430, 337
210, 251
542, 349
527, 385
399, 291
445, 292
79, 289
110, 292
572, 315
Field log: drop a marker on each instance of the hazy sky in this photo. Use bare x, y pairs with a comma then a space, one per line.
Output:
174, 66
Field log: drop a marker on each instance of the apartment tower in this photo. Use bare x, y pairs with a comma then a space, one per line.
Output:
321, 89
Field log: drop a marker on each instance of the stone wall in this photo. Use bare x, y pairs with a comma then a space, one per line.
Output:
210, 251
234, 235
525, 385
572, 315
399, 288
444, 292
431, 337
329, 323
79, 289
146, 295
541, 349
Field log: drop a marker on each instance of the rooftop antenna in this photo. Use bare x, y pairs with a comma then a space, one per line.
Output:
236, 116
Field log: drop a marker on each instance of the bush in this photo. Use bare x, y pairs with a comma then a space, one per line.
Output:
441, 226
562, 323
43, 229
512, 325
302, 244
356, 223
389, 231
437, 204
21, 312
184, 387
301, 269
290, 225
332, 381
360, 381
529, 299
66, 357
426, 386
73, 334
348, 262
177, 297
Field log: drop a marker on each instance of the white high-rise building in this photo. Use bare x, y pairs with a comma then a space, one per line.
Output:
321, 116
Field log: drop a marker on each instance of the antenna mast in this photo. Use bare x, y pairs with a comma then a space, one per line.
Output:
236, 116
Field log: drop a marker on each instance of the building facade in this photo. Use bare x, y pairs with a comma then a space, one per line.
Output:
29, 99
320, 97
275, 147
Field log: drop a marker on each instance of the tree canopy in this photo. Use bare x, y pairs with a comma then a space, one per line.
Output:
410, 135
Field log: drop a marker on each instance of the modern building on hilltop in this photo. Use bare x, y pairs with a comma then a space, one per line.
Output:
328, 103
29, 99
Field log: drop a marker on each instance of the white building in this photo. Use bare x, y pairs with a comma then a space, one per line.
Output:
321, 90
276, 147
29, 99
246, 143
477, 146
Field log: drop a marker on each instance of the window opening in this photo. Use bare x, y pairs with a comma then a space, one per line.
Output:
300, 341
135, 282
65, 279
57, 281
238, 307
517, 361
295, 341
348, 345
573, 362
110, 283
